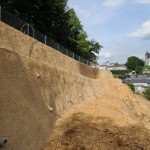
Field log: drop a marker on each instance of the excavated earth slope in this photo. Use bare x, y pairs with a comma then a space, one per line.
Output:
34, 94
47, 97
118, 120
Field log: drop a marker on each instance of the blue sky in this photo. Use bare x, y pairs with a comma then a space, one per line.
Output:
122, 27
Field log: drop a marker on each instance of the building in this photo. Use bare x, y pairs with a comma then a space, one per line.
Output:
117, 67
140, 85
140, 82
113, 66
147, 59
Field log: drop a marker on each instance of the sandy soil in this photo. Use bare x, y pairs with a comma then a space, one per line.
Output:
33, 94
118, 120
38, 85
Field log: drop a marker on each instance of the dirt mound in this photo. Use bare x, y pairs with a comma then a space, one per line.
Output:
118, 120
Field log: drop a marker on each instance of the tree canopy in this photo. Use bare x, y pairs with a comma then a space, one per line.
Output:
55, 19
147, 93
134, 63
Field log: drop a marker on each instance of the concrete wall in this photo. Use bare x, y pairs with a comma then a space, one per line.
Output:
16, 41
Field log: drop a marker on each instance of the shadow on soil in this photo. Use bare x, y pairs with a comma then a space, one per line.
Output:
24, 117
88, 71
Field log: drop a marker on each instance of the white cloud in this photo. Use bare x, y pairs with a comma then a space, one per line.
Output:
93, 14
142, 1
105, 55
143, 32
113, 3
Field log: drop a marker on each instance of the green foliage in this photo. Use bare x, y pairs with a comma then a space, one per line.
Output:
147, 93
121, 77
94, 48
133, 63
131, 86
139, 69
120, 72
78, 41
146, 67
55, 19
77, 37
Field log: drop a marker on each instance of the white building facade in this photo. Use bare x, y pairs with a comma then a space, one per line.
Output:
113, 66
140, 87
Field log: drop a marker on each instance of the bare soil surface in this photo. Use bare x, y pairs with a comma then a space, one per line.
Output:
48, 97
119, 120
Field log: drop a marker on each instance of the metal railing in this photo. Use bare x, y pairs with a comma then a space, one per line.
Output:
28, 29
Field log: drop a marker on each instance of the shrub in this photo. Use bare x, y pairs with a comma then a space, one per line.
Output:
147, 93
131, 86
120, 72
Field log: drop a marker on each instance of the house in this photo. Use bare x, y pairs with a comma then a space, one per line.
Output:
113, 66
140, 82
117, 67
140, 85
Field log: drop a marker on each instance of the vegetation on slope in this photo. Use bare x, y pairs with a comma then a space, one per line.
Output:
55, 19
147, 93
131, 86
121, 74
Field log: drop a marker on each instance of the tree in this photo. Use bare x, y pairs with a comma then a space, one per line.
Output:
46, 16
131, 86
139, 69
77, 39
94, 49
147, 93
76, 35
56, 20
133, 62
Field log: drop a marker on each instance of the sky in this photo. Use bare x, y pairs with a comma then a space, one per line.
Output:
122, 27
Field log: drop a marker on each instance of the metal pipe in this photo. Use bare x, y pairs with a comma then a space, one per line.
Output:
4, 142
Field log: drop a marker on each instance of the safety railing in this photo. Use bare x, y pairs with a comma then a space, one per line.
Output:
28, 29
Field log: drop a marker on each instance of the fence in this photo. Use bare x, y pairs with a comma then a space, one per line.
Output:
28, 29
